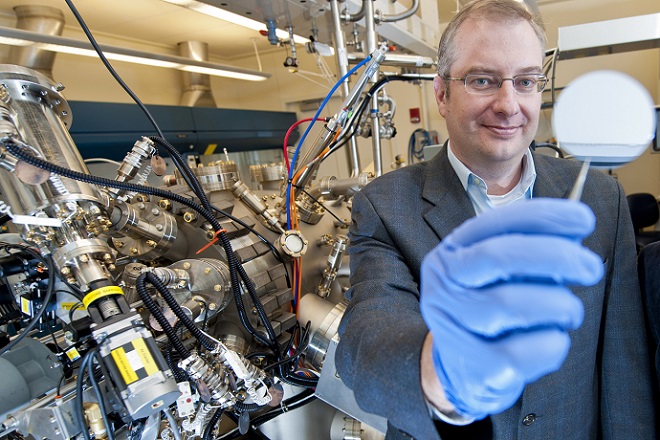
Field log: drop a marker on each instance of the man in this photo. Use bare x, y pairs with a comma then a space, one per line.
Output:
464, 327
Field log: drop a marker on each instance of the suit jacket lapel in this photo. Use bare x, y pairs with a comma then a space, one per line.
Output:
443, 189
551, 181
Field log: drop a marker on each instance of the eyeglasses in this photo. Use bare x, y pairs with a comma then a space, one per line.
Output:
485, 84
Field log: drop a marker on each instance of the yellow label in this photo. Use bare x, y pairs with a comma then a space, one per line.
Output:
124, 366
145, 356
26, 306
100, 293
72, 354
67, 305
210, 148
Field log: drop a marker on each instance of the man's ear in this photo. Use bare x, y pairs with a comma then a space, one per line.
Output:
439, 87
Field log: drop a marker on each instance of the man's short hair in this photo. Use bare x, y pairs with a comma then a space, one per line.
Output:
490, 10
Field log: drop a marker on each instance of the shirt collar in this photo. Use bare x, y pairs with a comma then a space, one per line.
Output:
474, 184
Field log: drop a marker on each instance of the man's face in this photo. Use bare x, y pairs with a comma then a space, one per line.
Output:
491, 132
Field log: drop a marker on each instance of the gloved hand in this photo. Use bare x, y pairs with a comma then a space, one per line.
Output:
494, 296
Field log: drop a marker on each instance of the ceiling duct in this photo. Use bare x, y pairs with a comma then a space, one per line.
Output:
43, 20
196, 86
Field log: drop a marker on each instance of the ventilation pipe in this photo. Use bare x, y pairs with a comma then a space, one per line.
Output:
196, 86
44, 20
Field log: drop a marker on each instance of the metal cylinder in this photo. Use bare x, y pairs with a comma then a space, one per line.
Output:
41, 19
196, 86
42, 116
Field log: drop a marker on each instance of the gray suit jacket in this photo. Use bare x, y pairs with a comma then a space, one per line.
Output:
603, 390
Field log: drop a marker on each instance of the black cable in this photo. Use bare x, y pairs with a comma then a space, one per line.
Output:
176, 308
52, 335
292, 338
236, 268
75, 291
287, 378
140, 285
59, 384
552, 64
551, 146
75, 307
112, 71
304, 343
247, 407
179, 374
210, 426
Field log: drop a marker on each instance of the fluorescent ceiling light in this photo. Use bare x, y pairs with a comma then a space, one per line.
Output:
14, 42
19, 37
231, 17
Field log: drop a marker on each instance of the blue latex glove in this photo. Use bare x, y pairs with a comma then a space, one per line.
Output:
494, 296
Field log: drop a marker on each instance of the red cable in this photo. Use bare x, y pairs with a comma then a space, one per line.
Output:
286, 140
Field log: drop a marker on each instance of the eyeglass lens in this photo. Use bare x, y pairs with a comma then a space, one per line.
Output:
488, 84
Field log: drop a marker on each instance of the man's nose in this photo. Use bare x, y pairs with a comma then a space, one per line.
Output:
506, 98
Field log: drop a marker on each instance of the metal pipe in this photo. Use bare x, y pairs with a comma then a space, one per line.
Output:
196, 86
342, 66
372, 42
41, 19
392, 18
352, 18
398, 60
